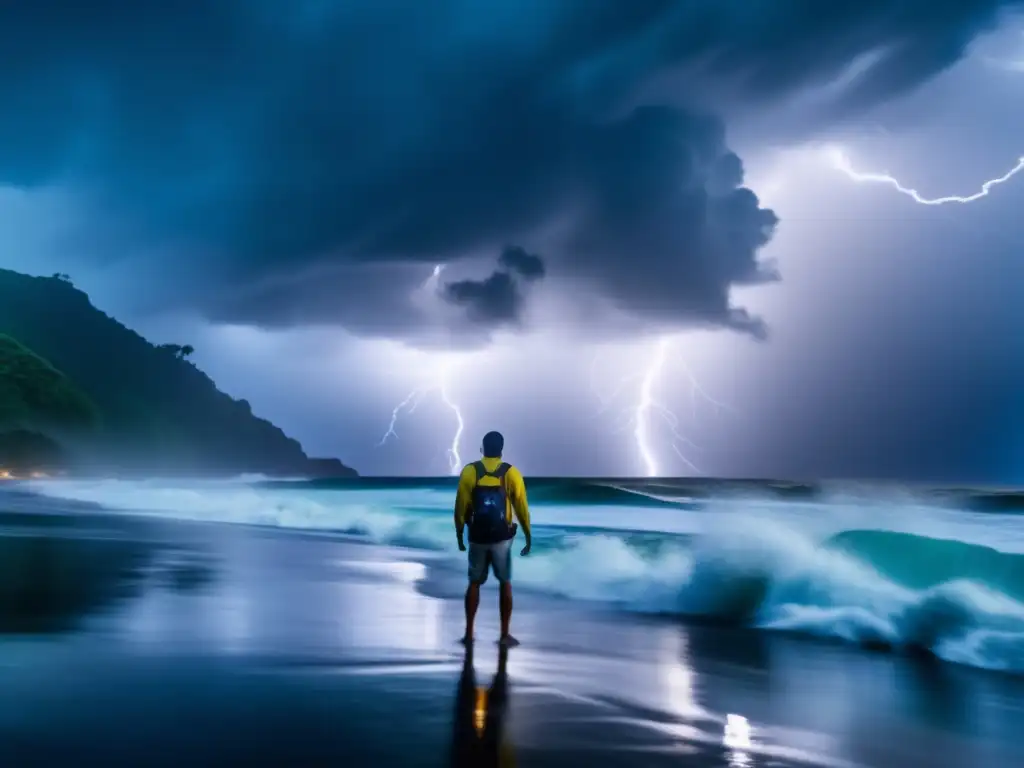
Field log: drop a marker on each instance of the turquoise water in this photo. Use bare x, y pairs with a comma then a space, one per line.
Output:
885, 568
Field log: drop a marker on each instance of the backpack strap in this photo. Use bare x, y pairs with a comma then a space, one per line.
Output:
499, 472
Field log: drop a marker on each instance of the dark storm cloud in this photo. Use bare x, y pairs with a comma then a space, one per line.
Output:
497, 299
286, 138
664, 227
526, 265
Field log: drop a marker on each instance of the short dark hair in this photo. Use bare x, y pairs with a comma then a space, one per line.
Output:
493, 445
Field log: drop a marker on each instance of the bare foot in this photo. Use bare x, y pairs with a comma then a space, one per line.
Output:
508, 641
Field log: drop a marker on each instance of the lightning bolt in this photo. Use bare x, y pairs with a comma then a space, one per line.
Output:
441, 387
409, 404
646, 405
842, 163
648, 411
454, 460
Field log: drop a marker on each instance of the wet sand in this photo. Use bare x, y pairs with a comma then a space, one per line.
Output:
128, 642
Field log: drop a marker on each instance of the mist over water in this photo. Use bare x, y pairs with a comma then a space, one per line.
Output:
885, 568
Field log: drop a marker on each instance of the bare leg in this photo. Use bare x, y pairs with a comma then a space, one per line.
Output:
506, 614
472, 602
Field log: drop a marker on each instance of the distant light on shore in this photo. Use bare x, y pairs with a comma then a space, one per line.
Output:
7, 474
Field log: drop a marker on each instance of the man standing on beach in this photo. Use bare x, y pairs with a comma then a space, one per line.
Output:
489, 491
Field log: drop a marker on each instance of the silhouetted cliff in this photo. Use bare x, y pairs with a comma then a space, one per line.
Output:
157, 411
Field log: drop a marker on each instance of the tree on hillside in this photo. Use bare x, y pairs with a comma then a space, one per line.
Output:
64, 277
173, 349
180, 351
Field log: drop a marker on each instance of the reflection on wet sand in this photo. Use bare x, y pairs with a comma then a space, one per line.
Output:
186, 572
56, 570
48, 583
479, 737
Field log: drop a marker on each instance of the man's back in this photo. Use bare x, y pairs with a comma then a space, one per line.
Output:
491, 473
491, 492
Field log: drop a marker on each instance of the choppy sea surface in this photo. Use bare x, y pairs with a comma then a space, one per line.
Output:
938, 572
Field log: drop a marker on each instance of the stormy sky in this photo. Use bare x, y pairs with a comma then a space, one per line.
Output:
544, 214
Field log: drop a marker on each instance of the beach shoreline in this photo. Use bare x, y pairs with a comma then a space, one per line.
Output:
199, 644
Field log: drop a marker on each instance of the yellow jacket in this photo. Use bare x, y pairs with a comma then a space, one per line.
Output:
515, 489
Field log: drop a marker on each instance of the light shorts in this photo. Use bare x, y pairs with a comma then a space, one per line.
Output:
496, 557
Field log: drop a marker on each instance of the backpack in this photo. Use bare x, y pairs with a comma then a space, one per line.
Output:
489, 522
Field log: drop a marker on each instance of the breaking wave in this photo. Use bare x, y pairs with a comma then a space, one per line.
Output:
827, 569
880, 589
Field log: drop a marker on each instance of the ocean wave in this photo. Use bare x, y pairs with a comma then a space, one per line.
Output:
691, 491
542, 491
1000, 502
879, 589
921, 562
605, 494
809, 573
